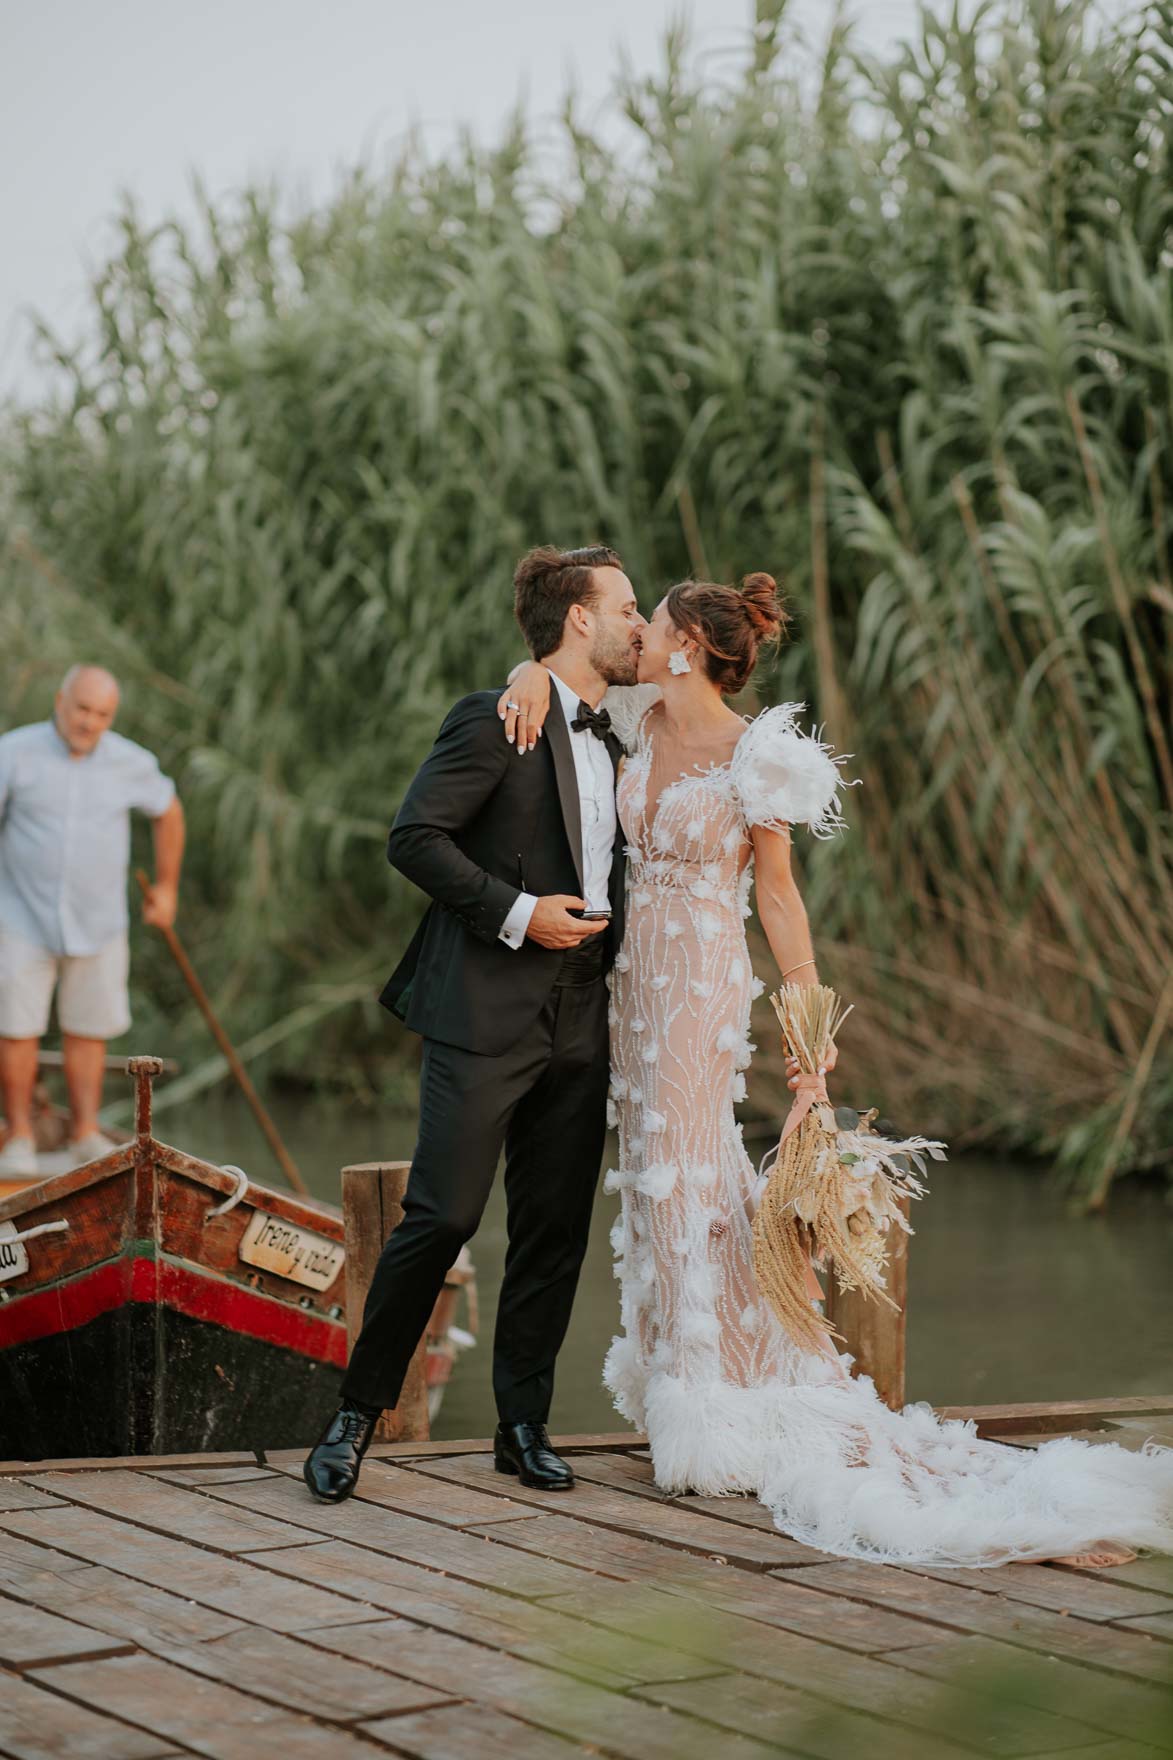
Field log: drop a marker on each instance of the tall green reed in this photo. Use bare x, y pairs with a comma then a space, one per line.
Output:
903, 336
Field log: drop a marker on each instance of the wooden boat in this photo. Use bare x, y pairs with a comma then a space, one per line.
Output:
153, 1303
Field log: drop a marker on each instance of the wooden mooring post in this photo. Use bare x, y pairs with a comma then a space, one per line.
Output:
372, 1205
873, 1334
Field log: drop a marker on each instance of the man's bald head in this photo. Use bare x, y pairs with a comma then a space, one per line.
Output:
86, 705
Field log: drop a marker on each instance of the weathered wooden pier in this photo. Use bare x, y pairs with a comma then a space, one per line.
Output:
205, 1605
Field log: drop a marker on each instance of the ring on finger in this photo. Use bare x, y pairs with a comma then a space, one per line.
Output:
512, 705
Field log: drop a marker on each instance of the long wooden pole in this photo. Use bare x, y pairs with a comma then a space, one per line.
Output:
284, 1159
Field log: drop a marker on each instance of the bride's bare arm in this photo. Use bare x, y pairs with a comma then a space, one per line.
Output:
783, 914
524, 706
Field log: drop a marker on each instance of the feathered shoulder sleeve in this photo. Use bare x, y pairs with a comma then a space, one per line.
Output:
783, 776
627, 704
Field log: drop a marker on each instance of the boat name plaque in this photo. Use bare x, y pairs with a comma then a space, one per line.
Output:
14, 1257
290, 1251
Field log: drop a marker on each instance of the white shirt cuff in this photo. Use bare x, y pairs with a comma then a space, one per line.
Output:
513, 929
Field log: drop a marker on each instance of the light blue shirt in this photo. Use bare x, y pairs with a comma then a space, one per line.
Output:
65, 835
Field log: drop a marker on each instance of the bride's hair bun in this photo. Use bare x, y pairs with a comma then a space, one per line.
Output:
729, 625
759, 598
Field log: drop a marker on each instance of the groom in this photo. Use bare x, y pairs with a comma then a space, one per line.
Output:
522, 857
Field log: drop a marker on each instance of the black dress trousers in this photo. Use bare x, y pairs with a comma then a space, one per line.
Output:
544, 1100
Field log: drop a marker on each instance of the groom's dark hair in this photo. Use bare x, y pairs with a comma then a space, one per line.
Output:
546, 583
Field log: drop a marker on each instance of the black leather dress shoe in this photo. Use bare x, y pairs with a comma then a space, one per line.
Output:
331, 1468
524, 1450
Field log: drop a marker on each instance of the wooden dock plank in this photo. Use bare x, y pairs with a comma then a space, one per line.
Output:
870, 1685
593, 1655
229, 1585
1158, 1427
120, 1463
625, 1513
203, 1715
210, 1476
1117, 1749
1057, 1417
1157, 1625
180, 1511
970, 1611
554, 1701
744, 1512
436, 1500
460, 1609
633, 1472
458, 1732
1138, 1710
36, 1724
632, 1559
300, 1676
570, 1443
1147, 1572
1061, 1591
624, 1472
118, 1606
1133, 1433
629, 1558
402, 1536
1123, 1435
23, 1494
208, 1604
775, 1713
30, 1636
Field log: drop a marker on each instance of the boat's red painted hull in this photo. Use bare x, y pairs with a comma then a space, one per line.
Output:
141, 1329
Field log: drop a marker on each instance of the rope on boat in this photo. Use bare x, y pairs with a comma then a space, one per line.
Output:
233, 1198
28, 1234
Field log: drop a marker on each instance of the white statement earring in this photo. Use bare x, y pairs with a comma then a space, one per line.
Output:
678, 662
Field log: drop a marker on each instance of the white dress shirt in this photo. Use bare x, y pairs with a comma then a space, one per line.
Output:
595, 776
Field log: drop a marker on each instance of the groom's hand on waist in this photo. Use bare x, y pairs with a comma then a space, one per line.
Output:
553, 926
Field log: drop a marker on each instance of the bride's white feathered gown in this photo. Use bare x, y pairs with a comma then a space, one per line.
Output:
729, 1403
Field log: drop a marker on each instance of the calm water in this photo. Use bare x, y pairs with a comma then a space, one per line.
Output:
1010, 1298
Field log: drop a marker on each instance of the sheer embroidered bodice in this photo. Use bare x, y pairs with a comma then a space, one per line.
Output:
728, 1401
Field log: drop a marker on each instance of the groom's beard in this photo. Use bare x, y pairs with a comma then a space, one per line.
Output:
615, 660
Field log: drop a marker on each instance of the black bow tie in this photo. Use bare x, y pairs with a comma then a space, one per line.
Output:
596, 720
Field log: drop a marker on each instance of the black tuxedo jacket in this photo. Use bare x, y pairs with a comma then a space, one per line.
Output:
478, 825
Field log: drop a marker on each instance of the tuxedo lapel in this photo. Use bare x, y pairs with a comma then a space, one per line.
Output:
558, 735
618, 887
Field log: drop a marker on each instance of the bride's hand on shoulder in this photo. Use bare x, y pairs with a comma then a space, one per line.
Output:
523, 707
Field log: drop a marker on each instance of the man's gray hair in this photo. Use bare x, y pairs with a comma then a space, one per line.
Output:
75, 672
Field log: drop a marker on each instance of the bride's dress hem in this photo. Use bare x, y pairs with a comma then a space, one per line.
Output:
844, 1475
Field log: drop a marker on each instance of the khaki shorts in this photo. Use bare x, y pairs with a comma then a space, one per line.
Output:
92, 999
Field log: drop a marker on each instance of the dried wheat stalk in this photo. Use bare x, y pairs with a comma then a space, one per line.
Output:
833, 1193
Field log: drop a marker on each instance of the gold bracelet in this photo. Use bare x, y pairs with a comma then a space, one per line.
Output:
798, 967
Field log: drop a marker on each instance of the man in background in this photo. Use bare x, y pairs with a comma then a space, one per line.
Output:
67, 789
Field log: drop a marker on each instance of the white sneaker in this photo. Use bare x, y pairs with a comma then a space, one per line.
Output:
87, 1149
19, 1158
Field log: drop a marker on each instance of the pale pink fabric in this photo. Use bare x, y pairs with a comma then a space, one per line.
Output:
681, 997
729, 1403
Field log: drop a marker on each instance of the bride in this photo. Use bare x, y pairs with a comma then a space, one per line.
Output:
729, 1402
